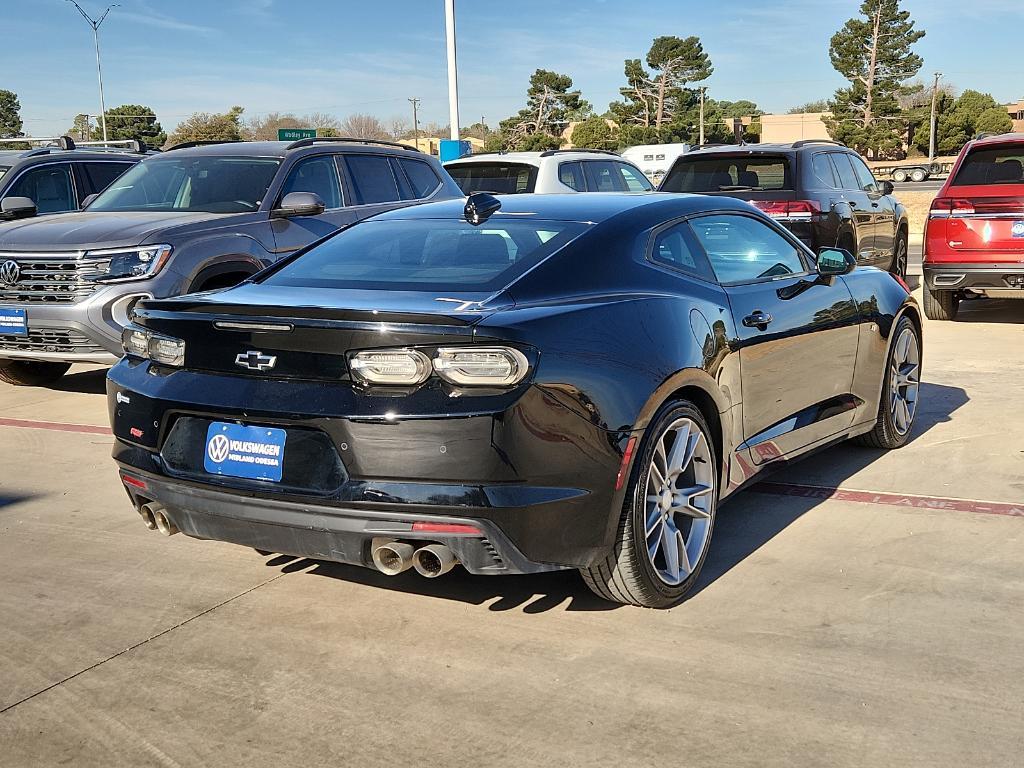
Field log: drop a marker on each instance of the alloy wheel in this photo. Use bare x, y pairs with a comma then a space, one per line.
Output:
679, 501
904, 381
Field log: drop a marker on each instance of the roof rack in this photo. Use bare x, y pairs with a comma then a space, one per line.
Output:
347, 140
202, 143
57, 142
550, 152
117, 145
805, 142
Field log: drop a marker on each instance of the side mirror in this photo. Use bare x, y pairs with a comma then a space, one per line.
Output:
299, 204
835, 261
887, 188
17, 208
88, 199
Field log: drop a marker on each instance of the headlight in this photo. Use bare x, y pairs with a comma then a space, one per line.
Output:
143, 343
394, 367
483, 366
130, 263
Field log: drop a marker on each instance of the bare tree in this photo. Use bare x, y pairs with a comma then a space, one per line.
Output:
398, 127
265, 128
364, 127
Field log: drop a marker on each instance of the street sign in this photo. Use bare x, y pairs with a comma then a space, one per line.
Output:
294, 134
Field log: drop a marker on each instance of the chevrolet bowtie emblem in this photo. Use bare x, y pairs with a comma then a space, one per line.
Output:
256, 361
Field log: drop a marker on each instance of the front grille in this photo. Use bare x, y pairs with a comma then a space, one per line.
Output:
51, 278
50, 340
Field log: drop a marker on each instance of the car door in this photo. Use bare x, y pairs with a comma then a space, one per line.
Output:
859, 203
797, 334
883, 210
317, 174
95, 176
51, 187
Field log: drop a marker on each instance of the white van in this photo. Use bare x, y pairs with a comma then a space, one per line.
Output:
654, 159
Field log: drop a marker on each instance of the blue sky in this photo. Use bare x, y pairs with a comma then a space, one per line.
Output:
344, 56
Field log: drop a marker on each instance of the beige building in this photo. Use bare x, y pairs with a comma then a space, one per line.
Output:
1016, 112
432, 144
784, 129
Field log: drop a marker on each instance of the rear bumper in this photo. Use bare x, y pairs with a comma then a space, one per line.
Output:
978, 276
319, 531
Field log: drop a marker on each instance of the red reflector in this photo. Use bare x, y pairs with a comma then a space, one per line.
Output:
627, 456
133, 482
446, 528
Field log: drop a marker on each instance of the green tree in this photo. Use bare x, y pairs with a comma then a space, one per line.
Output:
132, 121
873, 51
551, 105
961, 119
993, 120
81, 129
594, 133
638, 97
10, 120
818, 105
204, 126
678, 62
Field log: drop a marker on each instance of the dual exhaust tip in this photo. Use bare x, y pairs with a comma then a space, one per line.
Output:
155, 518
394, 557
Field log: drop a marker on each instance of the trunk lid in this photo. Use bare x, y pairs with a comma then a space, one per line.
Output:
980, 220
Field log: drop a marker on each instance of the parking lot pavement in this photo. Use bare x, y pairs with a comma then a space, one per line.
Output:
875, 625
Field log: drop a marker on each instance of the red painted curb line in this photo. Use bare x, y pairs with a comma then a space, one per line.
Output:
57, 426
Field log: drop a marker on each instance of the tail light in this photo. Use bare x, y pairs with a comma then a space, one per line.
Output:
944, 207
788, 209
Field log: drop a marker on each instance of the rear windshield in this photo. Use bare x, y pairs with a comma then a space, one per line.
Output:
207, 184
427, 254
998, 165
723, 173
503, 178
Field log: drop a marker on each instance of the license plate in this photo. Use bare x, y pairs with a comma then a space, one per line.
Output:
1017, 230
13, 322
234, 450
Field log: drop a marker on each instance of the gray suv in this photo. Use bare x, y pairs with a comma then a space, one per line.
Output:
198, 217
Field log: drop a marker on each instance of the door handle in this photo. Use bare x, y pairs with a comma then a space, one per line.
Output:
757, 319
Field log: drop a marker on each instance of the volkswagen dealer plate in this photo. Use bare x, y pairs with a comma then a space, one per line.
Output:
13, 322
255, 453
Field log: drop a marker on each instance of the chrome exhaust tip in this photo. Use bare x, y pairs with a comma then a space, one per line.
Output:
163, 523
433, 560
146, 513
391, 557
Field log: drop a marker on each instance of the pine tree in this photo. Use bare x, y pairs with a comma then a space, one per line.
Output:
550, 106
873, 52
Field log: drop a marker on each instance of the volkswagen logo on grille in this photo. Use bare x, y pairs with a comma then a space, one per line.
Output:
256, 361
218, 448
9, 272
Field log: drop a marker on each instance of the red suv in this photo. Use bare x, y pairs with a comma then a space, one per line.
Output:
974, 238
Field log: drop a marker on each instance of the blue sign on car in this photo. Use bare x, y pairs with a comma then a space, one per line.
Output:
13, 322
235, 450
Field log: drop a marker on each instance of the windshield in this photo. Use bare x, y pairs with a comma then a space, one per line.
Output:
427, 254
500, 178
999, 165
725, 174
207, 184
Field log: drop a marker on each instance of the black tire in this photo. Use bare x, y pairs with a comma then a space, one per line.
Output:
940, 305
29, 373
626, 574
899, 256
885, 435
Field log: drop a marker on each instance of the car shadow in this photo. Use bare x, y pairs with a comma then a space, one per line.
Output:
983, 310
92, 382
742, 527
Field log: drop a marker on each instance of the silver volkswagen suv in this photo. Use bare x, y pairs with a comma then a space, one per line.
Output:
198, 217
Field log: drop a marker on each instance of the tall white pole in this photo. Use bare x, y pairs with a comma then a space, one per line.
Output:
453, 75
99, 76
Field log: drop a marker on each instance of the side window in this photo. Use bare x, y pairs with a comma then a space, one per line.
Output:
633, 179
48, 187
672, 248
99, 175
318, 175
847, 178
822, 169
421, 177
602, 176
372, 179
742, 249
571, 174
864, 177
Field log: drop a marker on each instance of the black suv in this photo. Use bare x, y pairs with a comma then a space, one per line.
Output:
197, 217
59, 178
818, 189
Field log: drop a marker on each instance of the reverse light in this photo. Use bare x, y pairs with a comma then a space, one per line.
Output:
788, 209
131, 263
143, 343
394, 367
483, 366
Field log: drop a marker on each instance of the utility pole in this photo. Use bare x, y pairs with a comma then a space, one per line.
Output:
931, 133
415, 122
453, 76
703, 90
95, 24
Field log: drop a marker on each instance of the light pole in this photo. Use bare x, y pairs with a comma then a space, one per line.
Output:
931, 132
703, 90
415, 122
453, 77
95, 24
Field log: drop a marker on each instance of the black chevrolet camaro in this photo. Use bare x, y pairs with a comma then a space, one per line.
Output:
515, 384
